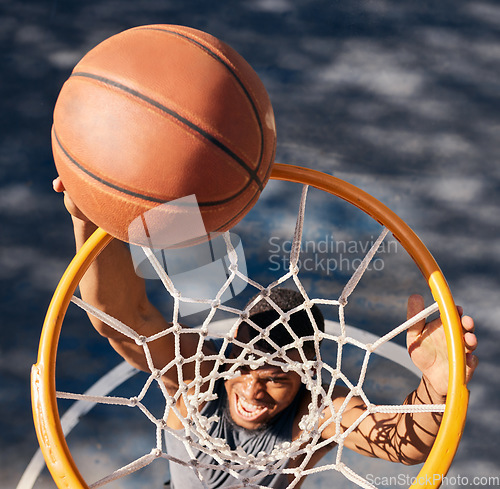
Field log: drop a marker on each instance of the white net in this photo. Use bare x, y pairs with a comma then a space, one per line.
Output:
318, 375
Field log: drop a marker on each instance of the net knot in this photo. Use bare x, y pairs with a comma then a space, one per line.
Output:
306, 423
265, 292
341, 339
264, 334
311, 366
141, 340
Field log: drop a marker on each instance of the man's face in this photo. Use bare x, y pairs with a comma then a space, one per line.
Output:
256, 396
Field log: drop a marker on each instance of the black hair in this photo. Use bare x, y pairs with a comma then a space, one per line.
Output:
263, 314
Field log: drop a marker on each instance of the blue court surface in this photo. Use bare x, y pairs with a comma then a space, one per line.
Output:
400, 98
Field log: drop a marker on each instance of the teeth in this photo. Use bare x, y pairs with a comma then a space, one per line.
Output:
248, 409
248, 406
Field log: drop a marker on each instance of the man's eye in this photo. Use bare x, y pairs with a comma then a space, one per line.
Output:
276, 380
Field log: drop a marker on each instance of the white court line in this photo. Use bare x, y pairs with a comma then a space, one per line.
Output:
122, 372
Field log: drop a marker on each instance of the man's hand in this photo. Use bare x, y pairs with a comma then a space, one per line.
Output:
68, 201
426, 344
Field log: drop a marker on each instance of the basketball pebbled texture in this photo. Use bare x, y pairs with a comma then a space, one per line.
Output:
157, 113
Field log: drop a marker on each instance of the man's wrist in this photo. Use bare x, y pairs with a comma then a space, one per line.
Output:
83, 230
427, 394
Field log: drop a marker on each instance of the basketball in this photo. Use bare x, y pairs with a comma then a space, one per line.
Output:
160, 128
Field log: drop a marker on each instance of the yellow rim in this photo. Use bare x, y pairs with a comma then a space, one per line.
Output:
45, 412
43, 385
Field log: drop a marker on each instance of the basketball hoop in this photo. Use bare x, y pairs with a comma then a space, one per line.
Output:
44, 399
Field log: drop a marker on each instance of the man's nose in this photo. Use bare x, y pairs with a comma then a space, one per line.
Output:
253, 388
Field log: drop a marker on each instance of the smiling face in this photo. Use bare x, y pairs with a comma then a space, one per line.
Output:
257, 396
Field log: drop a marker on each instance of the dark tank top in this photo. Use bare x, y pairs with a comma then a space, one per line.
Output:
279, 430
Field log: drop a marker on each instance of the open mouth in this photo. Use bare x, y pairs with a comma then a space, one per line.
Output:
248, 410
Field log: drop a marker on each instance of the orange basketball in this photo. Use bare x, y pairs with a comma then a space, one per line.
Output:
158, 113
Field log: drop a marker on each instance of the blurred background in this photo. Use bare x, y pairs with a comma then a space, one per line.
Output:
398, 97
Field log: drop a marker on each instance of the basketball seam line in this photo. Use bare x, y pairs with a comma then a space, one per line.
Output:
98, 178
176, 116
137, 194
232, 71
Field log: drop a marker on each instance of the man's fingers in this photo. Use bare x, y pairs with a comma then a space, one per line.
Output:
470, 341
472, 361
58, 185
68, 201
468, 324
415, 305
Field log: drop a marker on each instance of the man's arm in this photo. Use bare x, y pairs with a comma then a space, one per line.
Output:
408, 437
111, 285
402, 437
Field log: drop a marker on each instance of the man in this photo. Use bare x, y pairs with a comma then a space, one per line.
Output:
263, 406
